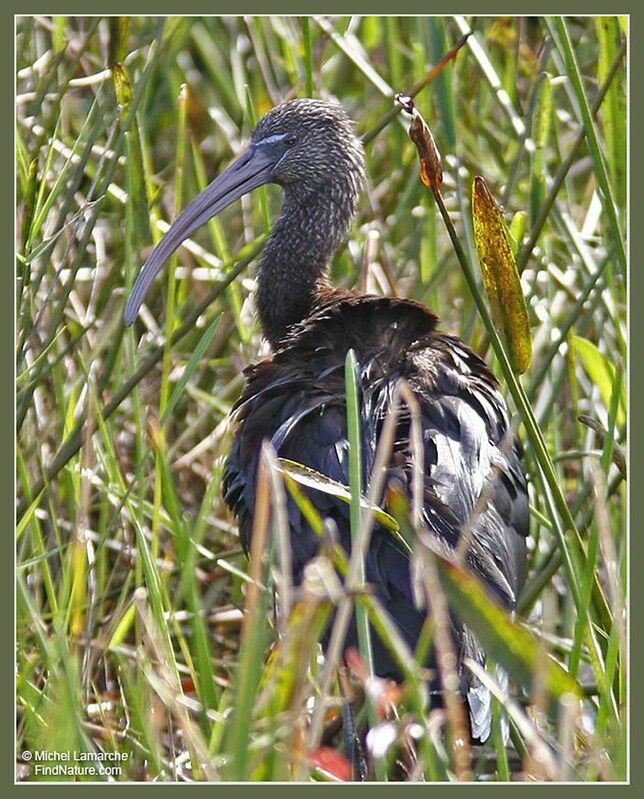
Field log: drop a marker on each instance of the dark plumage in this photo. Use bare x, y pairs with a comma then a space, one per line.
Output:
296, 398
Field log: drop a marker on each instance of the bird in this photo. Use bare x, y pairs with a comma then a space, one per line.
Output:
295, 398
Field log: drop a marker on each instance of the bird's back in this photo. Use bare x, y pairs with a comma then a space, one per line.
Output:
473, 477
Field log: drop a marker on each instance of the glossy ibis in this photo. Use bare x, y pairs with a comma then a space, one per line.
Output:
296, 398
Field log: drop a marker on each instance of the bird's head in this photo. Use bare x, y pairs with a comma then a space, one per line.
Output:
316, 142
301, 145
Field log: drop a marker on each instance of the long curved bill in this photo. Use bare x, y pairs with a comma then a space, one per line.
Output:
253, 168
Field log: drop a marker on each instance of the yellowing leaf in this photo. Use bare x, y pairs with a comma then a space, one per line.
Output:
500, 276
602, 373
320, 482
122, 88
517, 231
613, 110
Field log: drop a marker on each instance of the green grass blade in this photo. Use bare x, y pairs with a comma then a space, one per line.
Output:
560, 32
354, 428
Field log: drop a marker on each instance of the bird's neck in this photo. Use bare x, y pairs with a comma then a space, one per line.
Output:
295, 262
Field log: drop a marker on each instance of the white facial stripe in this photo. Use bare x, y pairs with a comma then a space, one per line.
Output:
274, 138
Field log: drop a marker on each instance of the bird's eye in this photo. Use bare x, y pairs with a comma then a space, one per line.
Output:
290, 138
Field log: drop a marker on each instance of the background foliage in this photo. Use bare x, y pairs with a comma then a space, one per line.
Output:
131, 585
